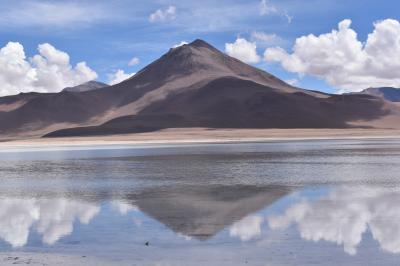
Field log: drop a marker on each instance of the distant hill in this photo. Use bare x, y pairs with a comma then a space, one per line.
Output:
388, 93
194, 85
88, 86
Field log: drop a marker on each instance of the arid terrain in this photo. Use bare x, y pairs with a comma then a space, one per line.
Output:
191, 86
207, 135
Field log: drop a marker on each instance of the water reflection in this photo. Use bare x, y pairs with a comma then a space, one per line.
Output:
199, 212
246, 219
51, 218
345, 215
202, 212
207, 205
247, 228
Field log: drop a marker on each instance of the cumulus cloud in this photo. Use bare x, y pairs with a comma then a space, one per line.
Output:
134, 61
243, 50
52, 219
247, 228
342, 60
163, 15
345, 215
118, 76
267, 8
48, 71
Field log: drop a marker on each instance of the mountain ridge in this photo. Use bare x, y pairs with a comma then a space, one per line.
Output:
87, 86
388, 93
191, 85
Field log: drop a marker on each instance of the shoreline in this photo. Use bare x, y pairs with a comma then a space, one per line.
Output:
49, 258
178, 136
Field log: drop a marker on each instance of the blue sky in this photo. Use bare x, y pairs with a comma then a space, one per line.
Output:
108, 34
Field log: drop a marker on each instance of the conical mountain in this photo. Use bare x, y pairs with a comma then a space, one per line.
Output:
199, 61
194, 85
188, 67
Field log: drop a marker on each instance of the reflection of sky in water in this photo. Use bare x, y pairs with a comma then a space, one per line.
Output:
345, 215
51, 218
345, 224
258, 216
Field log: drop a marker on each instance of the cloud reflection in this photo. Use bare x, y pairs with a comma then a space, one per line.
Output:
344, 215
52, 218
247, 228
123, 207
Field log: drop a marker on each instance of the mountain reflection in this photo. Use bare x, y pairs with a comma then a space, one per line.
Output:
51, 218
198, 212
345, 215
203, 211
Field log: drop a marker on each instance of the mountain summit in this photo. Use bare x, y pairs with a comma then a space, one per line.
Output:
193, 85
199, 61
88, 86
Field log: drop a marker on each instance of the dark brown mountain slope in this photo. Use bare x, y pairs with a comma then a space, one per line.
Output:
234, 103
192, 85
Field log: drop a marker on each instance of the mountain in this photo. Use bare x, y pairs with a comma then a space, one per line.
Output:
88, 86
387, 93
194, 85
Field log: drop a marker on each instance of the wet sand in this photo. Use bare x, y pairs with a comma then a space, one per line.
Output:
27, 258
206, 135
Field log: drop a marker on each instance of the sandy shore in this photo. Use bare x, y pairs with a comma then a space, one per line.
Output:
204, 135
29, 258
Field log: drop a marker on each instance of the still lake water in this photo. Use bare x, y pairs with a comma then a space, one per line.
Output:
278, 203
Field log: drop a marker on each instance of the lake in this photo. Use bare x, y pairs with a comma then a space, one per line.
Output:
324, 202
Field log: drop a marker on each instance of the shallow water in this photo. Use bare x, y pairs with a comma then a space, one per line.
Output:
294, 202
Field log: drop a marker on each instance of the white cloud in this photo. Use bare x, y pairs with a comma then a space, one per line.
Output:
288, 17
48, 71
243, 50
267, 8
180, 44
267, 38
345, 215
51, 13
134, 61
118, 77
342, 60
293, 82
163, 15
247, 228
